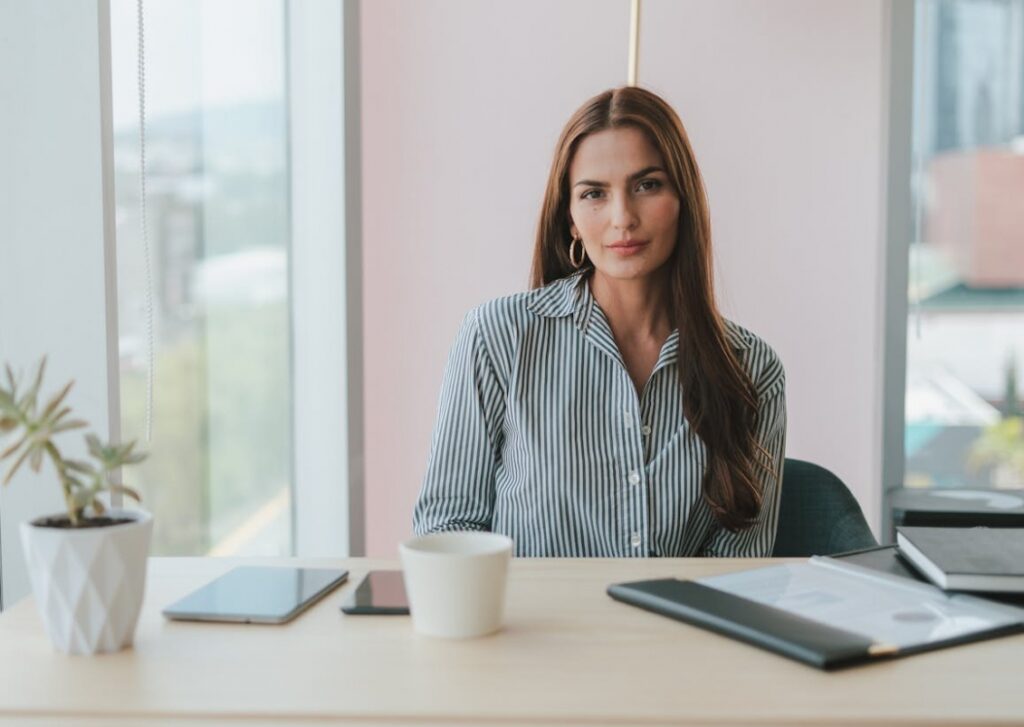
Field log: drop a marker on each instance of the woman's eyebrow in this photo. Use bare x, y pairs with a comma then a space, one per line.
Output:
636, 175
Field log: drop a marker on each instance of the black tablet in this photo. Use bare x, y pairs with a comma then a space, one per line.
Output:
257, 594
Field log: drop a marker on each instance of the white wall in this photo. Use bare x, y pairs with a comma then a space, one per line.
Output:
52, 295
462, 105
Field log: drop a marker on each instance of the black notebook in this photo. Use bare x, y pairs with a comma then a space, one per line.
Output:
824, 612
967, 559
889, 559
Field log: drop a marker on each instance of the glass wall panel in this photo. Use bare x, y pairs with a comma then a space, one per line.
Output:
965, 333
206, 311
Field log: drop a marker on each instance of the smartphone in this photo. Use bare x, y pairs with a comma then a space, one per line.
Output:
381, 592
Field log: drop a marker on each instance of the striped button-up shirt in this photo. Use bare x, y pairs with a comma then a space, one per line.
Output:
540, 435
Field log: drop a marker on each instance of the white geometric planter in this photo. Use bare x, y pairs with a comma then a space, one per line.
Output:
88, 583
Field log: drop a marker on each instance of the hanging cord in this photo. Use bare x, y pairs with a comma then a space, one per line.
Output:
145, 232
920, 90
915, 246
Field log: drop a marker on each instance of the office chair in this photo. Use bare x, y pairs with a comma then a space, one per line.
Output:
817, 514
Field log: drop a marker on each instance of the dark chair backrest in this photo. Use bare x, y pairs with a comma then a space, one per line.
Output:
817, 514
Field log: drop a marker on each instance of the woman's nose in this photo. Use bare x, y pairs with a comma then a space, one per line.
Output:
623, 216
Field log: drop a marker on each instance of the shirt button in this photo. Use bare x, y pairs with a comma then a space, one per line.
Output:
646, 429
634, 478
627, 419
635, 540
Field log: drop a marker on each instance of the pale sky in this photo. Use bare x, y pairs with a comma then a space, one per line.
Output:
211, 52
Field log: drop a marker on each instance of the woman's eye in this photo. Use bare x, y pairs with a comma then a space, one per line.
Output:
644, 186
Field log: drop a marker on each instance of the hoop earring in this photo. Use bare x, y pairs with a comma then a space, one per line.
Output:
572, 252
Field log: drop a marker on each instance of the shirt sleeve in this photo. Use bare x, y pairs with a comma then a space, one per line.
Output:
758, 540
458, 488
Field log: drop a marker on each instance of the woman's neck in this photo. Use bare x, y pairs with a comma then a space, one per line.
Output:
637, 309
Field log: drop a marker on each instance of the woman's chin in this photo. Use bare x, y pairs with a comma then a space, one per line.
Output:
625, 269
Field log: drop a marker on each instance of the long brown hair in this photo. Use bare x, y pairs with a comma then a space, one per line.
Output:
719, 399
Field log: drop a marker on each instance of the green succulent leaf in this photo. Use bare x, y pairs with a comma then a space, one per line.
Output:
77, 465
123, 455
54, 418
17, 464
11, 381
55, 401
28, 402
7, 403
68, 426
124, 490
95, 447
83, 498
13, 448
36, 460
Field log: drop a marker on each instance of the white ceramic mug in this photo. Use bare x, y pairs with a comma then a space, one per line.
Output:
455, 582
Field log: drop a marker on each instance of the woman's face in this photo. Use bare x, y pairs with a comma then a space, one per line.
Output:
622, 203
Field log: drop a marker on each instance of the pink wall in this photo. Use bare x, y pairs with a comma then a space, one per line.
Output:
785, 104
462, 105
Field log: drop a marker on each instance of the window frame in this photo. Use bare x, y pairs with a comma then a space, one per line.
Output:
898, 232
325, 278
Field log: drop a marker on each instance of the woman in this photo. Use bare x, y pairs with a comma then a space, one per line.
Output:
611, 411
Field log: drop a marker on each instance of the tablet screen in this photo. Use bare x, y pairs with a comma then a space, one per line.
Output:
262, 594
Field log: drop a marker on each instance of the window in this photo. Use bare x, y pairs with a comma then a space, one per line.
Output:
965, 332
212, 294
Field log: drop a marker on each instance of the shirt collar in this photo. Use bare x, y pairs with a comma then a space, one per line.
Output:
559, 297
571, 296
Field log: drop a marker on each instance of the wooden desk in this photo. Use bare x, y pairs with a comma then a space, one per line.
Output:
569, 655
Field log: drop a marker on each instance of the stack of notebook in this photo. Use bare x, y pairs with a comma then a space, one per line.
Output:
832, 612
989, 560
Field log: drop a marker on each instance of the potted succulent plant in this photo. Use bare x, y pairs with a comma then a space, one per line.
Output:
88, 564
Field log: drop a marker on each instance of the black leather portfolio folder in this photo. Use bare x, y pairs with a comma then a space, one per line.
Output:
888, 614
764, 626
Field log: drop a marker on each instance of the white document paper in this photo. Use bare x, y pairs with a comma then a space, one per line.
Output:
885, 608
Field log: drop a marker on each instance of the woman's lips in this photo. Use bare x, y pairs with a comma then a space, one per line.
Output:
628, 248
